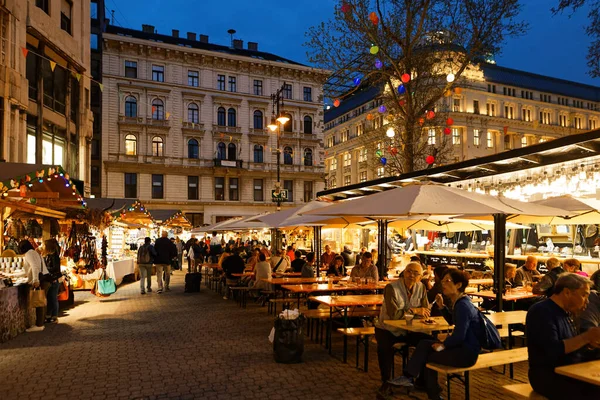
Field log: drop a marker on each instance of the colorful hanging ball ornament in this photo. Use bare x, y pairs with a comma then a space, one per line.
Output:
356, 81
369, 117
402, 102
421, 121
378, 153
449, 122
346, 8
336, 103
457, 90
405, 78
374, 18
382, 109
401, 89
447, 93
450, 77
430, 160
447, 131
430, 114
374, 49
378, 64
394, 151
383, 160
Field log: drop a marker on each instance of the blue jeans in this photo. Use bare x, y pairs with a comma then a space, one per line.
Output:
52, 299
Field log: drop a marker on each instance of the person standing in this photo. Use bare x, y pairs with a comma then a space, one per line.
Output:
165, 252
34, 264
145, 258
52, 259
180, 245
188, 246
216, 248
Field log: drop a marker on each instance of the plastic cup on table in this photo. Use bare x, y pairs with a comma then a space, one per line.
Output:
409, 319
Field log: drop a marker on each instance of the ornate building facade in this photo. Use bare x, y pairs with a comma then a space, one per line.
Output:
495, 109
45, 61
185, 124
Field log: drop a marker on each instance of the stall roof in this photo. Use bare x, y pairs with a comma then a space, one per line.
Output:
108, 204
568, 148
162, 215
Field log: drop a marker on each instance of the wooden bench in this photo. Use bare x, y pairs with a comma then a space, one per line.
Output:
243, 290
362, 336
525, 391
285, 302
487, 360
322, 315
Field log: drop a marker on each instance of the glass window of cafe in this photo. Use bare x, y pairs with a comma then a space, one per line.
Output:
53, 148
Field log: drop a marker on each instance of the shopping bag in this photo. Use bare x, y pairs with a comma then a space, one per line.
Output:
106, 286
37, 298
64, 294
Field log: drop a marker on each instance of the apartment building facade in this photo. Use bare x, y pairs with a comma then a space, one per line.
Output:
495, 109
45, 110
185, 125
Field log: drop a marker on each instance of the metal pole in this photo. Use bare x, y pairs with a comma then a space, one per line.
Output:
499, 257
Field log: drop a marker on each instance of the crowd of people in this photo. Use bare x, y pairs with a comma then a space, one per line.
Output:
562, 326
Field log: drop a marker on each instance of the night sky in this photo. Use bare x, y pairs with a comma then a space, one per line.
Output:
555, 45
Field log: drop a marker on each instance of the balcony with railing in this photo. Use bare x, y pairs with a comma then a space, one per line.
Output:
123, 120
158, 123
192, 127
228, 163
218, 129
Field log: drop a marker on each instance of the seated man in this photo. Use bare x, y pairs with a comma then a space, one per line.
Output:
590, 317
552, 340
366, 269
546, 285
308, 270
528, 273
327, 257
234, 264
297, 262
406, 295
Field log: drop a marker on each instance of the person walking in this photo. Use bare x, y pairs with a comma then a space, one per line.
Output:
165, 252
145, 258
34, 265
180, 245
52, 259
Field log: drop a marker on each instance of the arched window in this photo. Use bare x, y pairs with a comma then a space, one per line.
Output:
258, 153
221, 151
258, 119
288, 155
193, 113
130, 145
158, 109
131, 107
231, 152
193, 150
221, 116
157, 146
288, 125
231, 117
307, 124
308, 157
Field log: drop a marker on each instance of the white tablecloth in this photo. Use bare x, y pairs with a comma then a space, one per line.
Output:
118, 269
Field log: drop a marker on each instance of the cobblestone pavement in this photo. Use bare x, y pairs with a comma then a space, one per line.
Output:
186, 346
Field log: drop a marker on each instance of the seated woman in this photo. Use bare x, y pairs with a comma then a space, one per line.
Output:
510, 271
261, 271
460, 349
336, 268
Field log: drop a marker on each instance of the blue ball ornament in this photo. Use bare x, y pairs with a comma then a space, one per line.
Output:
356, 81
383, 160
378, 64
401, 89
382, 109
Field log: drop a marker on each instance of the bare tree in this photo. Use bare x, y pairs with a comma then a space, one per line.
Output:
416, 51
592, 30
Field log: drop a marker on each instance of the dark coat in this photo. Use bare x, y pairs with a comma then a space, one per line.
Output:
165, 251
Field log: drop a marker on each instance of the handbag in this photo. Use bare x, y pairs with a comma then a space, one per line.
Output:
106, 287
37, 298
64, 294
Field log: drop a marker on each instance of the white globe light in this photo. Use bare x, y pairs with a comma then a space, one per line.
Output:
390, 133
450, 77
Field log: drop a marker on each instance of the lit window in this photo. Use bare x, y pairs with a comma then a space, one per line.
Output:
347, 180
490, 140
431, 137
347, 159
455, 136
130, 145
524, 141
380, 172
476, 137
363, 176
333, 165
362, 155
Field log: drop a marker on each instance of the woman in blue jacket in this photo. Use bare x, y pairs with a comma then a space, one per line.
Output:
460, 349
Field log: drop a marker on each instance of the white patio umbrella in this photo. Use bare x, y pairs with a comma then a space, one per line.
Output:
277, 219
248, 223
447, 224
586, 211
432, 199
213, 227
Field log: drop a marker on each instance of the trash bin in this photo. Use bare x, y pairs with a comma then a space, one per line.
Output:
288, 343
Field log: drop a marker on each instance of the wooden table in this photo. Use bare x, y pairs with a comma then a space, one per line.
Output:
298, 281
481, 282
418, 325
340, 305
507, 318
513, 296
587, 372
324, 287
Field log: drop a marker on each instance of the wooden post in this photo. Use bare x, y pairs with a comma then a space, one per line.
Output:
499, 257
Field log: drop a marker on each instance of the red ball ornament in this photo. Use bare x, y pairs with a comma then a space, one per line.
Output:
369, 117
447, 131
430, 114
405, 78
346, 8
402, 102
430, 160
421, 121
449, 122
394, 151
336, 103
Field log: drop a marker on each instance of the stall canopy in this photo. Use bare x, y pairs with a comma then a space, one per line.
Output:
171, 218
43, 185
447, 224
215, 226
136, 214
294, 217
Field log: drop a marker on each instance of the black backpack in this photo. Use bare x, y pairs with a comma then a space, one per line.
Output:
144, 256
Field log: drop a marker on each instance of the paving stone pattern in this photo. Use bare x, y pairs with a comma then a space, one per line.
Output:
187, 346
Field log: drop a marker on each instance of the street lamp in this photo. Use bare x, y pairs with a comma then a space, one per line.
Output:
278, 122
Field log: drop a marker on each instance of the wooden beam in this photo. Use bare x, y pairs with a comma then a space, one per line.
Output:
35, 195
